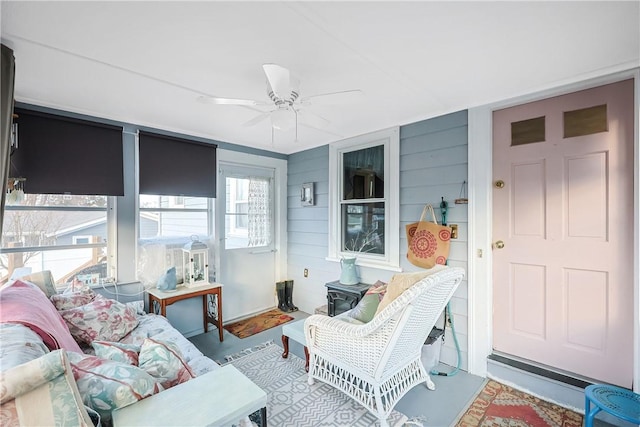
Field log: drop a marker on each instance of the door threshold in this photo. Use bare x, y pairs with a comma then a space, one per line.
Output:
540, 370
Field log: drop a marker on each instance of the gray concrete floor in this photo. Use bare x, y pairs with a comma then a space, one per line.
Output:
438, 408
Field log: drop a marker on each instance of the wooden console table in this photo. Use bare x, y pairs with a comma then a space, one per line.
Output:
211, 294
218, 398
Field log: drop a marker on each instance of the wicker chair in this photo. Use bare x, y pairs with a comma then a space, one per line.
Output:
376, 363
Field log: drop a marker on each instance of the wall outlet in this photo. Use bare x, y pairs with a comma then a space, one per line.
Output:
306, 272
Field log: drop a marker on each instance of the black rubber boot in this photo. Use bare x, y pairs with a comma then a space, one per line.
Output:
289, 294
282, 298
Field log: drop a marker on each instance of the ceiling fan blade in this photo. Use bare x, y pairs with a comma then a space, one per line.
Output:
228, 101
257, 119
333, 98
279, 80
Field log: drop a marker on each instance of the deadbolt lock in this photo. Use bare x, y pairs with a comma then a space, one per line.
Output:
499, 183
499, 244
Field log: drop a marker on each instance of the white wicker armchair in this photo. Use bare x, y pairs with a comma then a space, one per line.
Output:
376, 363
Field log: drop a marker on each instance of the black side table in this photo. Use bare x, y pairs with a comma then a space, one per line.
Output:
341, 298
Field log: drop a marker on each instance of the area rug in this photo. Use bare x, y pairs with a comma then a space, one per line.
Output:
291, 402
501, 405
261, 322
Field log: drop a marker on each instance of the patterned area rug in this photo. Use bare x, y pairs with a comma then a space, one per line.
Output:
261, 322
501, 405
292, 402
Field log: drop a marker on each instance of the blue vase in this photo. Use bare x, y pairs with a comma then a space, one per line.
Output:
348, 276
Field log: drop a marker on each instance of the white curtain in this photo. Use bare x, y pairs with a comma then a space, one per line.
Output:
7, 76
259, 211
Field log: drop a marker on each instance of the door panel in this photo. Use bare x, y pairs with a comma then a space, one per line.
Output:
587, 192
563, 283
528, 196
528, 296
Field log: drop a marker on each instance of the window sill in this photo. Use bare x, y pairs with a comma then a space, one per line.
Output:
380, 265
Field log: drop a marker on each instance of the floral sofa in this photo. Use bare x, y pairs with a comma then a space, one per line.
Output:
72, 358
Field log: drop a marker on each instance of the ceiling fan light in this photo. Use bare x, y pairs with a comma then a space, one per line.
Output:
283, 119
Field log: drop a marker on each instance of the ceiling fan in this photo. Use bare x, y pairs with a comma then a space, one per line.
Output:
286, 108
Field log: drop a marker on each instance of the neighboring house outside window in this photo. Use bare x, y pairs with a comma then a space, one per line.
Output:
66, 234
163, 216
364, 202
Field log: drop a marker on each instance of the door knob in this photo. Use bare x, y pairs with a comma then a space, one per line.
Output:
499, 244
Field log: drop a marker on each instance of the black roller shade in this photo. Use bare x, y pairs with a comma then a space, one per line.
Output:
61, 155
176, 167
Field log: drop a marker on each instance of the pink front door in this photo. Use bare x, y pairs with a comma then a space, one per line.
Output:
563, 232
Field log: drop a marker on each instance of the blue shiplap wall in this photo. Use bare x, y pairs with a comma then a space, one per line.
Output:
433, 164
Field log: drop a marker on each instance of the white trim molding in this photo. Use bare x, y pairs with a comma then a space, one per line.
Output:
391, 140
480, 275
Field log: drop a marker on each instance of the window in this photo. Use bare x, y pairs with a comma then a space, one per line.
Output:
177, 187
178, 201
67, 234
364, 183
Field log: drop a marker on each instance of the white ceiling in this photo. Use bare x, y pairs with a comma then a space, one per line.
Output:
147, 62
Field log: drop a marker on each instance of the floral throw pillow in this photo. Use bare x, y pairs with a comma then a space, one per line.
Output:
163, 360
73, 299
102, 319
118, 352
106, 385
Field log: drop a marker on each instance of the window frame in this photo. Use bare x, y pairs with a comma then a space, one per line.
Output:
390, 138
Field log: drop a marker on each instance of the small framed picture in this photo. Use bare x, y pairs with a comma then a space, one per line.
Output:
306, 194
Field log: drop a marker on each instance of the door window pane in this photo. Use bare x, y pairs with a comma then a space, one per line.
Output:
248, 216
